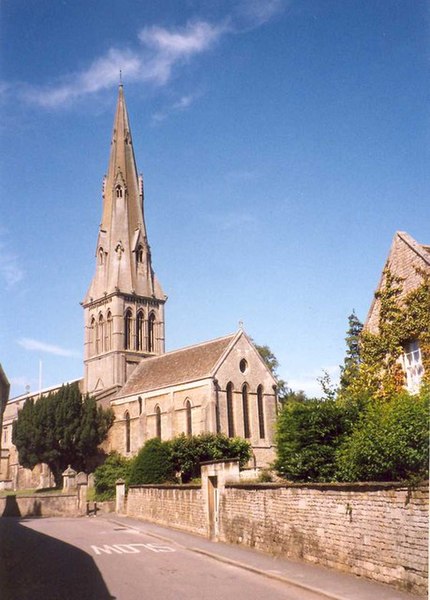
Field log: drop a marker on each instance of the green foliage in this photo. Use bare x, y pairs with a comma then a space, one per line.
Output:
189, 451
115, 467
60, 429
401, 319
308, 434
160, 462
351, 365
153, 464
390, 441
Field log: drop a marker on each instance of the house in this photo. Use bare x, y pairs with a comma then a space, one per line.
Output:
407, 260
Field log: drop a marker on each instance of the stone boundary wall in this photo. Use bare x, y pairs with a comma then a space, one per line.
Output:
58, 505
179, 506
379, 531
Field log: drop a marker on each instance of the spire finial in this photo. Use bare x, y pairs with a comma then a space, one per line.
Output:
120, 77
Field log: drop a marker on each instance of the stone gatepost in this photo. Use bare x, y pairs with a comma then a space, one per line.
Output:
120, 497
69, 479
215, 474
82, 483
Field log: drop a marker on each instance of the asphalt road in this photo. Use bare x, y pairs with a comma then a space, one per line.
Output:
98, 559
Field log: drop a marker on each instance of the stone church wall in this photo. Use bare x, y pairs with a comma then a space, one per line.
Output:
58, 505
181, 507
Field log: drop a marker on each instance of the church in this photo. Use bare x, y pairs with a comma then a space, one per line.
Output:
221, 385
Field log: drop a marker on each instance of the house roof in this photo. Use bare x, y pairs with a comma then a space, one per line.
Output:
176, 367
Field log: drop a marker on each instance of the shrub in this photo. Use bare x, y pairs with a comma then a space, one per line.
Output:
115, 467
390, 441
153, 464
189, 451
308, 434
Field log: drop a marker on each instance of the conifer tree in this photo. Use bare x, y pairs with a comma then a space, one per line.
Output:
60, 429
351, 364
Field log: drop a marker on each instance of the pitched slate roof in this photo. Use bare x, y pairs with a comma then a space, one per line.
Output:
176, 367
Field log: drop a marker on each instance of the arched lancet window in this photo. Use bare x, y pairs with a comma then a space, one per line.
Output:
151, 333
158, 422
260, 407
127, 432
140, 405
139, 254
93, 327
118, 191
230, 414
139, 330
128, 329
189, 423
108, 332
245, 405
101, 256
101, 334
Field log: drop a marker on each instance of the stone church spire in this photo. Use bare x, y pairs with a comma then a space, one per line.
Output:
124, 305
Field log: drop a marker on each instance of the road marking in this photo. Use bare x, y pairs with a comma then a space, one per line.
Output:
130, 548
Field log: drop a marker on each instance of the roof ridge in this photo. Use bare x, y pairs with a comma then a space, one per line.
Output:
219, 339
413, 245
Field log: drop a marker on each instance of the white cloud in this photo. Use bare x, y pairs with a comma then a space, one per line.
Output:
159, 51
154, 55
38, 346
10, 269
254, 13
180, 105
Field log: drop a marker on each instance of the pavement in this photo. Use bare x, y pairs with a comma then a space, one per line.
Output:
326, 583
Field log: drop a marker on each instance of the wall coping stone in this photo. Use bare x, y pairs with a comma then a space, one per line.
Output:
220, 460
167, 486
347, 486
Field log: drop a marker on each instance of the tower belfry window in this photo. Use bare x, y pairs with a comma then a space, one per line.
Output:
128, 330
139, 331
151, 332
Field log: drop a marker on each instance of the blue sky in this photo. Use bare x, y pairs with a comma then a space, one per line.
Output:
282, 144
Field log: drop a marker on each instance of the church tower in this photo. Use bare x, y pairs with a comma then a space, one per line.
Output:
124, 305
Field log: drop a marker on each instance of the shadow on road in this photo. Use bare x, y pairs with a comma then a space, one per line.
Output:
35, 566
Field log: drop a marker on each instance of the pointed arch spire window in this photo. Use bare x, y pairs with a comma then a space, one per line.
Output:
101, 256
119, 191
139, 254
